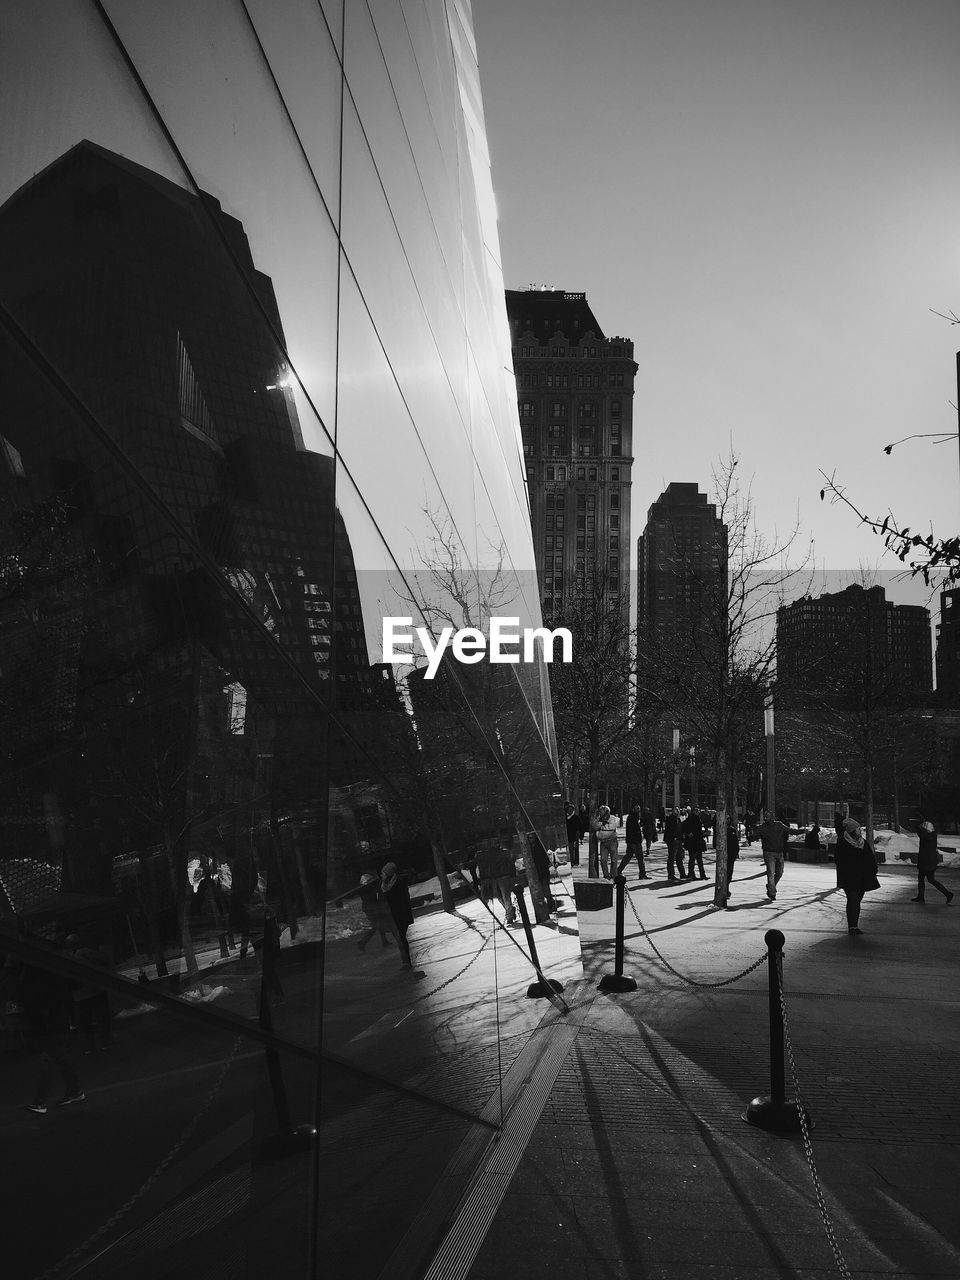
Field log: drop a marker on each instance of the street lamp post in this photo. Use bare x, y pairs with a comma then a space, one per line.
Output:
676, 768
771, 787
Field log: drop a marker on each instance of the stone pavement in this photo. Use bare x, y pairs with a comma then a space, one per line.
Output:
640, 1164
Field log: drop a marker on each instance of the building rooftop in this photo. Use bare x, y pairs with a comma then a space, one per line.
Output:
545, 312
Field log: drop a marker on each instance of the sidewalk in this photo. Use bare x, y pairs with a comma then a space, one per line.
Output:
640, 1165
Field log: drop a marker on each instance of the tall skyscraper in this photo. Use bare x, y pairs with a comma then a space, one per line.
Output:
681, 566
895, 639
575, 395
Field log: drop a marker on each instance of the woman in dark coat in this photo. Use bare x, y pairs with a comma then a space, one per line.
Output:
856, 870
393, 889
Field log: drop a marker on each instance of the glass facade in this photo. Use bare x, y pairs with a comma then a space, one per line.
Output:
256, 921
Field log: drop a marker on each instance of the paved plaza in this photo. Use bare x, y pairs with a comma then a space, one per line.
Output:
639, 1163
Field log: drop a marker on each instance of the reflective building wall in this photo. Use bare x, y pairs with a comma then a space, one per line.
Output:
277, 916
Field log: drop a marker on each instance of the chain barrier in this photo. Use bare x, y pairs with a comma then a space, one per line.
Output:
694, 982
76, 1254
807, 1143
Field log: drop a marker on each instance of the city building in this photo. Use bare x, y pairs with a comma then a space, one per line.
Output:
893, 639
681, 568
948, 647
681, 614
575, 397
257, 399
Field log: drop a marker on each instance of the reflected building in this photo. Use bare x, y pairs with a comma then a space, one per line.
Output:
256, 366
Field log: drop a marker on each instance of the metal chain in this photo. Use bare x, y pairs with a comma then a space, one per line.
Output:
726, 982
81, 1249
805, 1132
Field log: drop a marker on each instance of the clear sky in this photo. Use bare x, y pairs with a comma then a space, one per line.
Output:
765, 196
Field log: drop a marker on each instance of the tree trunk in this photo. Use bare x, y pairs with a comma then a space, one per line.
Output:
440, 866
868, 779
720, 872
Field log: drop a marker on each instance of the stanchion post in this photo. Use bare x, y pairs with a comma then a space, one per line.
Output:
774, 1112
616, 981
545, 987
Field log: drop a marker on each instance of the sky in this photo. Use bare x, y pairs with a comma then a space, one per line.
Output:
765, 196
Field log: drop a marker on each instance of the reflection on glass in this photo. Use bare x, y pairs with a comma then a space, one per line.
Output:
260, 889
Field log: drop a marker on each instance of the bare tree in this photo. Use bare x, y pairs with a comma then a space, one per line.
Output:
481, 712
714, 680
924, 555
591, 696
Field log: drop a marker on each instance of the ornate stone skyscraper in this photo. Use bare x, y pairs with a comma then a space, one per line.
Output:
575, 394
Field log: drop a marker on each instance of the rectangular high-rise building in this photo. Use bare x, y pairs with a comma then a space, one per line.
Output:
681, 566
894, 639
575, 396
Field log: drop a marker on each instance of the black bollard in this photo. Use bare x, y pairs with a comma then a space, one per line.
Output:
289, 1139
775, 1113
616, 981
546, 987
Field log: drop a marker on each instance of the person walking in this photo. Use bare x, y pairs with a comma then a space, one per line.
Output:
773, 842
574, 834
393, 888
608, 839
634, 837
733, 853
649, 828
375, 909
927, 861
672, 837
694, 843
498, 874
856, 870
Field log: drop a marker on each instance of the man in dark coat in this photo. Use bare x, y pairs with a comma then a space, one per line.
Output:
856, 870
733, 853
694, 843
927, 861
498, 875
393, 889
773, 842
672, 837
634, 838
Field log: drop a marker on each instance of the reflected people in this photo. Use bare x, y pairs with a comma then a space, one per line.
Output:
376, 910
393, 888
497, 873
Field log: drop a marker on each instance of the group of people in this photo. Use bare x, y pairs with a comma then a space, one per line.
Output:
685, 835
